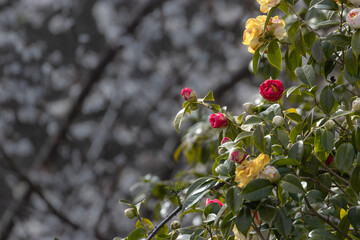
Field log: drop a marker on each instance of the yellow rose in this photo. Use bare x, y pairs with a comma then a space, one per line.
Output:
250, 170
254, 31
265, 5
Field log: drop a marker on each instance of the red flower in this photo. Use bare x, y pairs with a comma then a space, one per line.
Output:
208, 201
271, 89
237, 156
225, 140
217, 120
188, 94
329, 160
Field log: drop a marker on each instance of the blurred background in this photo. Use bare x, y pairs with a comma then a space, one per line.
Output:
89, 90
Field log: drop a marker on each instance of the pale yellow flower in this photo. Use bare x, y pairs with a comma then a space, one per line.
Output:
265, 5
250, 170
254, 31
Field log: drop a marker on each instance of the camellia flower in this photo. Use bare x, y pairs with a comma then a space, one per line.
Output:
270, 173
353, 18
254, 33
265, 5
237, 155
329, 160
188, 94
250, 170
209, 201
271, 89
217, 120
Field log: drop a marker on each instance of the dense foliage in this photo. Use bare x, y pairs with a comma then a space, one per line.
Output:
288, 166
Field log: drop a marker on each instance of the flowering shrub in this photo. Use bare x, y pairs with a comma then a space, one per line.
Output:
287, 167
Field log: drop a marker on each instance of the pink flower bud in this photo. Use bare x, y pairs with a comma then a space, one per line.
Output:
217, 120
188, 94
329, 160
209, 201
353, 18
270, 173
237, 156
225, 140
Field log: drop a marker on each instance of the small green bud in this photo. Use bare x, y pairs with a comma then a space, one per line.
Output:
130, 213
249, 108
278, 121
175, 225
193, 106
329, 124
356, 105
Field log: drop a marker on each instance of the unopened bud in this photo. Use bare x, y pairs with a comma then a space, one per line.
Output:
270, 173
188, 95
329, 124
193, 106
175, 225
237, 155
130, 213
278, 121
356, 105
249, 108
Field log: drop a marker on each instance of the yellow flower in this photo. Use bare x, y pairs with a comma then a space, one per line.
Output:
265, 5
250, 170
254, 33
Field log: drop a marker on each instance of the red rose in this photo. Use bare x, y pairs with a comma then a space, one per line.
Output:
209, 201
218, 120
225, 140
237, 156
271, 89
188, 94
329, 160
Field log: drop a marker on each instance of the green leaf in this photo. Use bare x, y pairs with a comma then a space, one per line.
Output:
269, 15
340, 113
137, 234
295, 90
317, 52
209, 97
306, 74
243, 220
267, 213
355, 178
351, 63
327, 99
144, 222
258, 138
339, 93
242, 135
327, 24
252, 121
274, 54
356, 135
291, 184
321, 234
315, 196
339, 200
344, 157
257, 190
234, 198
296, 131
344, 226
339, 40
354, 216
327, 5
285, 161
282, 223
355, 43
197, 190
299, 42
297, 151
255, 60
293, 30
178, 119
294, 116
328, 140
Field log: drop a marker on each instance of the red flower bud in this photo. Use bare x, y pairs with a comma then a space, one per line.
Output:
271, 89
188, 94
237, 156
329, 160
217, 120
209, 201
225, 140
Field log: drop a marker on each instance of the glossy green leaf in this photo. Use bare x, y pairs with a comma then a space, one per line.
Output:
255, 61
299, 42
355, 178
339, 200
317, 52
354, 216
297, 151
328, 140
344, 226
258, 138
355, 43
351, 63
257, 190
306, 74
339, 40
291, 184
267, 213
243, 220
234, 198
296, 131
285, 161
327, 99
282, 223
321, 234
209, 96
274, 54
344, 157
137, 234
